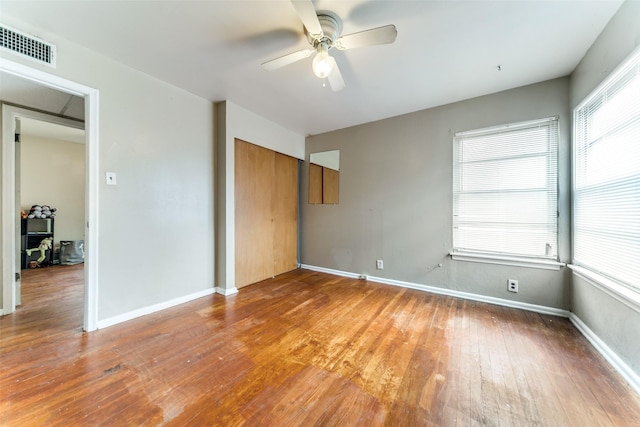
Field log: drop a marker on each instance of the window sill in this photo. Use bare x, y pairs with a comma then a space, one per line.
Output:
507, 260
623, 294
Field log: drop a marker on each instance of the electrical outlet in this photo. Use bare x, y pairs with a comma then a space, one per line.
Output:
379, 264
512, 285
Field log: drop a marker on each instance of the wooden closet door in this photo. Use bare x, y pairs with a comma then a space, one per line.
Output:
254, 167
285, 214
266, 213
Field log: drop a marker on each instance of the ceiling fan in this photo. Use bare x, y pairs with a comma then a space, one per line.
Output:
323, 30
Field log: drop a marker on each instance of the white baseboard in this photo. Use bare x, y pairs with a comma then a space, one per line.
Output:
448, 292
226, 292
616, 362
330, 271
151, 309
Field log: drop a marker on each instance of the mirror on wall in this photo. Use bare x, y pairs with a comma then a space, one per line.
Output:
324, 177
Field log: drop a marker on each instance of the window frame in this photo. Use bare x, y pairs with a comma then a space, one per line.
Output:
504, 258
629, 294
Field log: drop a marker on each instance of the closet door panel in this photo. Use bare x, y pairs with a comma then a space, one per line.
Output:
285, 214
253, 220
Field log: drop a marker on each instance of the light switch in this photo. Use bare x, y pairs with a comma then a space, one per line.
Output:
111, 178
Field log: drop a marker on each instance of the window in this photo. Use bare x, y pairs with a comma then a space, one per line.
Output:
606, 193
505, 191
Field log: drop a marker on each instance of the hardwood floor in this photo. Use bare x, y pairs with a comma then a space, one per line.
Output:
302, 349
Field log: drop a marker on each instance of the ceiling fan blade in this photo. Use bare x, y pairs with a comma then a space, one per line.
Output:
308, 16
287, 59
380, 35
335, 77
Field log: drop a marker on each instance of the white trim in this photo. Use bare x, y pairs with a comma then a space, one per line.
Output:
330, 271
511, 126
90, 96
226, 292
153, 308
8, 212
506, 260
92, 203
614, 360
448, 292
9, 115
625, 295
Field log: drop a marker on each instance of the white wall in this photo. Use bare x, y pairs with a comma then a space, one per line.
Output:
248, 126
156, 226
615, 323
52, 173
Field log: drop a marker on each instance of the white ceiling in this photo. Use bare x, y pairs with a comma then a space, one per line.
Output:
445, 51
51, 131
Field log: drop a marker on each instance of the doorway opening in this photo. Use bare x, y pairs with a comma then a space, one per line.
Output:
50, 178
10, 220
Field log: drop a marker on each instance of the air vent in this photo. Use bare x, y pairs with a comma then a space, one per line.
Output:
27, 46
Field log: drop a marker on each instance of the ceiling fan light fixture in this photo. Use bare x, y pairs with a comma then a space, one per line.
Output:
324, 32
322, 64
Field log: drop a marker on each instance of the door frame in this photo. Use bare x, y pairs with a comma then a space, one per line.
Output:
16, 113
9, 207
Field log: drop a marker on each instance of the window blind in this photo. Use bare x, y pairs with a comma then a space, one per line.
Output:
505, 190
606, 225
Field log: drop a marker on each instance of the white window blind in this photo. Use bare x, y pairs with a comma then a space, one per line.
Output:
606, 229
505, 192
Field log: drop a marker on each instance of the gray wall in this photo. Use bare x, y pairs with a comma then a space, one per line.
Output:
618, 39
396, 198
615, 323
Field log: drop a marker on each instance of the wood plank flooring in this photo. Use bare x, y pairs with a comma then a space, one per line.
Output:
303, 349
